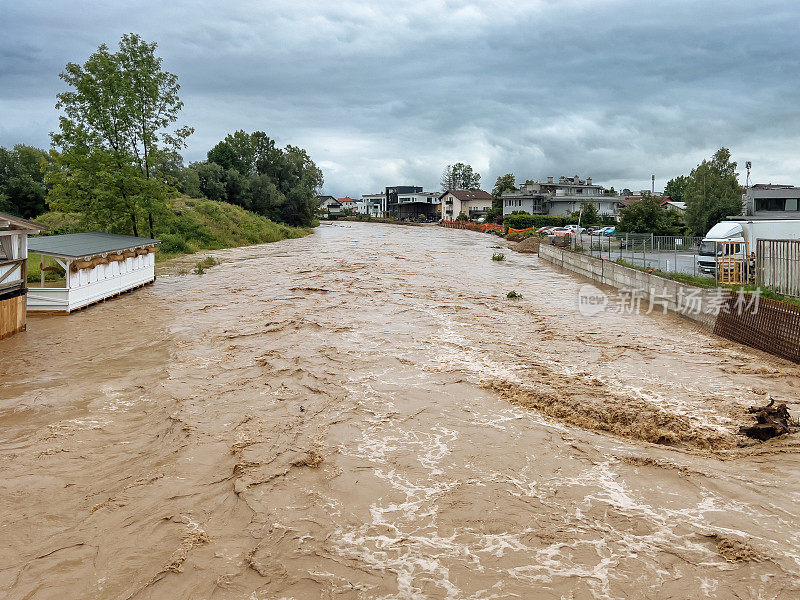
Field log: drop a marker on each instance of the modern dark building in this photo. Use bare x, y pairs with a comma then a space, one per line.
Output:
409, 202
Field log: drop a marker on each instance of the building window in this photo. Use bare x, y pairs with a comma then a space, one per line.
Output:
774, 204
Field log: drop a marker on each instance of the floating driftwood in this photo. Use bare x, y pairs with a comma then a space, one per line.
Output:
772, 420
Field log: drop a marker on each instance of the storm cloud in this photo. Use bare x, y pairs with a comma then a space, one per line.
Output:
389, 93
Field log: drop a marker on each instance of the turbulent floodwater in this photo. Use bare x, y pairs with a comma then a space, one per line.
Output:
362, 413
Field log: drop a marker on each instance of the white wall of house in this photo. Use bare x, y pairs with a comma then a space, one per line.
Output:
511, 205
371, 204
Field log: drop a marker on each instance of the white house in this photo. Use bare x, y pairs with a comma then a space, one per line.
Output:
329, 205
14, 234
559, 198
347, 203
96, 266
371, 204
471, 203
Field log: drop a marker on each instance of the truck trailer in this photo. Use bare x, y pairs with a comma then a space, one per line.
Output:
740, 230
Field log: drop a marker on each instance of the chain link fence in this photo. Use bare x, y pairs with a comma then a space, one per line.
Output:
670, 254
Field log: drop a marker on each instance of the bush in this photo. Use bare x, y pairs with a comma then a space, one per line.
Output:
498, 256
172, 243
520, 220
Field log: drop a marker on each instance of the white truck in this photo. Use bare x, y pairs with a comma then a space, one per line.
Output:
742, 229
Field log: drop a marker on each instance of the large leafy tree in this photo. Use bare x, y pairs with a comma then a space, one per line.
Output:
503, 184
676, 188
712, 192
117, 133
22, 185
460, 176
647, 216
248, 169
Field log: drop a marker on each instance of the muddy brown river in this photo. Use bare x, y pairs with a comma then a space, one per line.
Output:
362, 413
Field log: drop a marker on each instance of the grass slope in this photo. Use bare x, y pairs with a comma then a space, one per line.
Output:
190, 225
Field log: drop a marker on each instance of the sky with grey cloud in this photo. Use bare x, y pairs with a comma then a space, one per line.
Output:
388, 93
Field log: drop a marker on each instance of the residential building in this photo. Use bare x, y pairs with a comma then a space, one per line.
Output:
411, 202
329, 205
371, 204
679, 207
347, 203
471, 203
771, 201
559, 198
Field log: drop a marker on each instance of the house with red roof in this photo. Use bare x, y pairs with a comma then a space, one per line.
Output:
347, 203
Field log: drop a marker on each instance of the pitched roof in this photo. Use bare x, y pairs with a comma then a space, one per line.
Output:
346, 199
78, 245
465, 195
7, 221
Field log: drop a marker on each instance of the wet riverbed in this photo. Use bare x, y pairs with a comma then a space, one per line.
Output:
362, 413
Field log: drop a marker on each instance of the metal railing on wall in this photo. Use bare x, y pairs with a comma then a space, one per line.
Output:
671, 254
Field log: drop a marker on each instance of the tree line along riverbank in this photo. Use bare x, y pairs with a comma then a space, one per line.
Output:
188, 226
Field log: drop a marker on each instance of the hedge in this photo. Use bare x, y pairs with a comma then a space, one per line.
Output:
520, 220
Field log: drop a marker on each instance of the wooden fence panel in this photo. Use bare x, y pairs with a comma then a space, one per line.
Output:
12, 315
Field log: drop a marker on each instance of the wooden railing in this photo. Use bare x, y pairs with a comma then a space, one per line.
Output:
13, 265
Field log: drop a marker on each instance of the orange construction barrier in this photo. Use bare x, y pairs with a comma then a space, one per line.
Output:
512, 231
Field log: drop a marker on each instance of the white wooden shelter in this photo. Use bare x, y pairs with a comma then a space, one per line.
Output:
14, 234
96, 265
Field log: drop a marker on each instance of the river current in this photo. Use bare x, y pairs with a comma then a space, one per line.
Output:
363, 413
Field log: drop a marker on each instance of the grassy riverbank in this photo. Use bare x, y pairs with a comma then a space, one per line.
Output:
191, 225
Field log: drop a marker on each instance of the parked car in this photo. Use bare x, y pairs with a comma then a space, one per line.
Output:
544, 230
607, 231
575, 228
593, 229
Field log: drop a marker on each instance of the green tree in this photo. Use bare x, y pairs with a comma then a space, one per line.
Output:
265, 198
22, 181
189, 182
647, 216
676, 188
280, 183
460, 176
712, 192
587, 214
118, 126
211, 180
503, 184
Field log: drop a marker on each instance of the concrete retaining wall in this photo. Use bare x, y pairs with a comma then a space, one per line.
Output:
662, 291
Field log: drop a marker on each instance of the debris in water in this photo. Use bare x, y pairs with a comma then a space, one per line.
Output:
772, 421
734, 550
